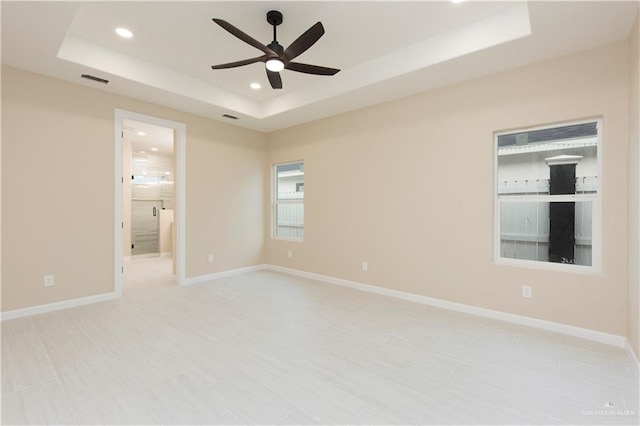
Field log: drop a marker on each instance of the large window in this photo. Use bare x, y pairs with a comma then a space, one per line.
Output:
548, 196
288, 201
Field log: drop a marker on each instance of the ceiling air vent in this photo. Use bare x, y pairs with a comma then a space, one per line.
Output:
231, 117
94, 78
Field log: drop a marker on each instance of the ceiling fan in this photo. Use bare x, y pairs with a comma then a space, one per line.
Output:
275, 57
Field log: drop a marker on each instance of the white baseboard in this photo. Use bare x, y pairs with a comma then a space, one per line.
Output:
41, 309
223, 274
597, 336
50, 307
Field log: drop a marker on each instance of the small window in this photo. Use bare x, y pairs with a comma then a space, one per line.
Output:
548, 196
288, 201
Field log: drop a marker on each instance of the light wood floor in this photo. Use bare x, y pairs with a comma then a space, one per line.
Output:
267, 348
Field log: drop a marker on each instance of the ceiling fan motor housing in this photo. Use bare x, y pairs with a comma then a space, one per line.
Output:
276, 47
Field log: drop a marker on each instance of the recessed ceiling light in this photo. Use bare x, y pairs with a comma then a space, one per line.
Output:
154, 149
143, 152
255, 86
124, 33
141, 134
457, 1
167, 173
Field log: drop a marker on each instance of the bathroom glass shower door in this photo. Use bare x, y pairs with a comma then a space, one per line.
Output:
145, 216
145, 211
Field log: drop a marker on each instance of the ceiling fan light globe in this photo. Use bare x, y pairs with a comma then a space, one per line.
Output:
275, 65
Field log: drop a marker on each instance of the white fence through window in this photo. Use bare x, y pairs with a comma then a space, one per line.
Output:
524, 225
290, 216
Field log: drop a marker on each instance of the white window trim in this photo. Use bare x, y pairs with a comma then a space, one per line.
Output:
596, 241
275, 202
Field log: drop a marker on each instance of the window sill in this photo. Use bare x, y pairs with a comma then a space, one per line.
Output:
292, 240
548, 266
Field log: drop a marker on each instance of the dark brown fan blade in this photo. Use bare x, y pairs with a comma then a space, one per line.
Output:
305, 41
244, 37
310, 69
274, 79
262, 58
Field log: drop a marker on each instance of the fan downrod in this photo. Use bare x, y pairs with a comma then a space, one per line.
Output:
274, 17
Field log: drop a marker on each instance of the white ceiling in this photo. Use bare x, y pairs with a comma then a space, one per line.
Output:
147, 138
386, 50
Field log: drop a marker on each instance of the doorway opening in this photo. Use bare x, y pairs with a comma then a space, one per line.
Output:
150, 240
149, 189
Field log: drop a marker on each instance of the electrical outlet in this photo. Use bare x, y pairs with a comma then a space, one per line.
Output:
48, 280
211, 258
289, 254
527, 292
365, 266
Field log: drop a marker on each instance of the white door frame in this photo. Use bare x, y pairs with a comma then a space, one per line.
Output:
179, 219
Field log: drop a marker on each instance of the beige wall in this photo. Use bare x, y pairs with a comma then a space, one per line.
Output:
0, 198
633, 328
58, 194
408, 187
225, 169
